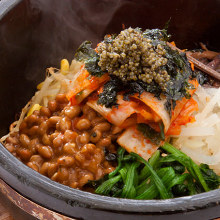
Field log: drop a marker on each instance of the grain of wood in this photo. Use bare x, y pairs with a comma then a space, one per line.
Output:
4, 212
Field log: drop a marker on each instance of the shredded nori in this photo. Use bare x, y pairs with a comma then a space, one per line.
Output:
157, 36
201, 77
168, 106
89, 56
84, 51
92, 66
179, 69
139, 87
109, 95
177, 66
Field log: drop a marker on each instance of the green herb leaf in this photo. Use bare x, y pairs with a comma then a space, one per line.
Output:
149, 133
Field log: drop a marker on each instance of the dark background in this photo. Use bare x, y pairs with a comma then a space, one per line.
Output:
37, 34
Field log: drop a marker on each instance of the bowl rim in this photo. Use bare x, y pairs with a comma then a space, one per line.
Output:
6, 6
26, 175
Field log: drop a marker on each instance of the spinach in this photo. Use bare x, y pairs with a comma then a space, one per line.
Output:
186, 161
210, 176
89, 56
160, 177
180, 190
106, 187
95, 183
170, 161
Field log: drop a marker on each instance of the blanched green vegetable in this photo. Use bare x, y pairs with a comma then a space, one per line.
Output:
188, 163
210, 177
121, 152
106, 187
145, 172
158, 182
128, 190
161, 177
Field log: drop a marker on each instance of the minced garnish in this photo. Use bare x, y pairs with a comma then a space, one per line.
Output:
131, 56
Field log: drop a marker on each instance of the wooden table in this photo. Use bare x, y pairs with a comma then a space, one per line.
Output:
4, 209
14, 206
10, 211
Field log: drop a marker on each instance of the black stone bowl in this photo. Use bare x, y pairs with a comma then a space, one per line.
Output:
35, 34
